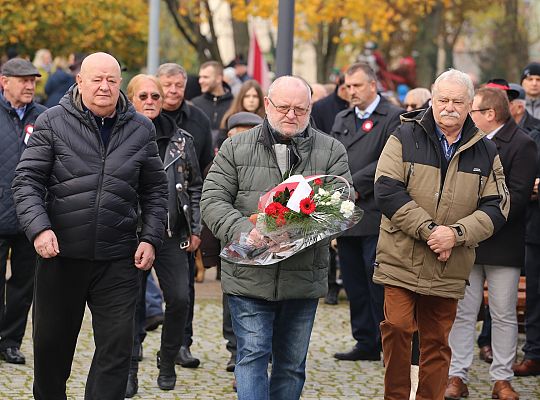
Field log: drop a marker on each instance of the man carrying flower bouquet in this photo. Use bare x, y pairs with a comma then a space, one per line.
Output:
272, 306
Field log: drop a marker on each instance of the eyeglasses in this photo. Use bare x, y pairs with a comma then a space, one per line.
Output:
298, 111
144, 96
479, 110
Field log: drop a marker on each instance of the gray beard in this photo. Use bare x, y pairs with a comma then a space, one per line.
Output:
302, 129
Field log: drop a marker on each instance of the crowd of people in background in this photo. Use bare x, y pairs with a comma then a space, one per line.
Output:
447, 177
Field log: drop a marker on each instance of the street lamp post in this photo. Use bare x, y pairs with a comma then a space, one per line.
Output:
284, 50
152, 62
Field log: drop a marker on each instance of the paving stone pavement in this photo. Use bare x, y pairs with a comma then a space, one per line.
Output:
327, 379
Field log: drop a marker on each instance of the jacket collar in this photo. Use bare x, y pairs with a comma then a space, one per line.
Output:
507, 132
382, 109
267, 139
9, 108
72, 102
226, 96
425, 118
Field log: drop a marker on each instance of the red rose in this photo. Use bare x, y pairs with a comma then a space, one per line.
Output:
307, 206
317, 181
272, 209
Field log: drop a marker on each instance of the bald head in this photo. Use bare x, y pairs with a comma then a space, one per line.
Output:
288, 105
285, 82
91, 62
99, 83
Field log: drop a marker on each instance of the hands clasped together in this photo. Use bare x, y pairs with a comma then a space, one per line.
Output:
441, 241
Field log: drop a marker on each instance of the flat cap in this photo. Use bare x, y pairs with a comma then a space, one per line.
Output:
19, 67
243, 118
519, 89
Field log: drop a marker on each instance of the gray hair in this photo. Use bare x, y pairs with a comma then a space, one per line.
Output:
362, 66
421, 94
299, 78
169, 69
456, 76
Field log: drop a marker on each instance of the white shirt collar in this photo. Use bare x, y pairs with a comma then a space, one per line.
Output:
369, 110
494, 132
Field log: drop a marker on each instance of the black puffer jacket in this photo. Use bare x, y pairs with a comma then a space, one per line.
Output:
87, 194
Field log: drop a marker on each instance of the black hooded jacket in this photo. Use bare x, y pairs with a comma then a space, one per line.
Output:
88, 193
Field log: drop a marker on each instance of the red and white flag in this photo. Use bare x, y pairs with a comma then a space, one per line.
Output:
257, 66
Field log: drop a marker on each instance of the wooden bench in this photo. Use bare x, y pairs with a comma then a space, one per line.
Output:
520, 303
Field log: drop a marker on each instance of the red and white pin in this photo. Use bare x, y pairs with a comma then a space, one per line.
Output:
367, 125
28, 130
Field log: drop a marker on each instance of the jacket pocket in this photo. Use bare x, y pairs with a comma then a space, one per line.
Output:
394, 247
460, 263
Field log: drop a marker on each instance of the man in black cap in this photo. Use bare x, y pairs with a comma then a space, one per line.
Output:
518, 109
530, 80
18, 112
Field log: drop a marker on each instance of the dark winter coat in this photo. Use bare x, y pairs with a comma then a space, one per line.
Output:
533, 209
194, 121
528, 123
88, 194
325, 110
214, 107
518, 155
364, 149
13, 132
57, 86
246, 168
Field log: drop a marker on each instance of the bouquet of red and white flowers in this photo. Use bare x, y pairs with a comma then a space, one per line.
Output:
292, 216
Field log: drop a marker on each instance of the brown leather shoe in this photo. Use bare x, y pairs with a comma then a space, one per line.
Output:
455, 389
486, 354
527, 368
504, 391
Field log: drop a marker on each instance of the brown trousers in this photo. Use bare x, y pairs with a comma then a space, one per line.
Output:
404, 312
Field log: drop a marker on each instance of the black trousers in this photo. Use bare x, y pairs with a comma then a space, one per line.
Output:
228, 333
16, 293
532, 317
63, 288
188, 331
172, 270
366, 299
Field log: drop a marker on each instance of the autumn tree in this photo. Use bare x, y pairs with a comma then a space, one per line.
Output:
118, 27
504, 39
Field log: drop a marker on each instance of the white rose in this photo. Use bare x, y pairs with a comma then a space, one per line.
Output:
347, 208
336, 197
322, 192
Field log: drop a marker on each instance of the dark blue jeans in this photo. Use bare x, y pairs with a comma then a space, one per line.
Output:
366, 299
281, 328
154, 298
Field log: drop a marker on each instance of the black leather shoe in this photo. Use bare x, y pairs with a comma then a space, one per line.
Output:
166, 379
132, 385
185, 359
12, 355
357, 355
332, 296
231, 364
